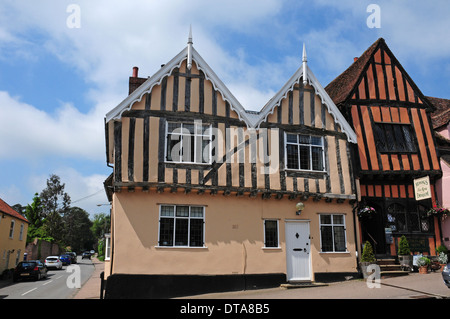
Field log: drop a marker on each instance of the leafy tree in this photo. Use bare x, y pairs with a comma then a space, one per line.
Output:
33, 212
101, 225
77, 229
55, 204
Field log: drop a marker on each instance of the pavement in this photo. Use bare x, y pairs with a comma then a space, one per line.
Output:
413, 286
91, 288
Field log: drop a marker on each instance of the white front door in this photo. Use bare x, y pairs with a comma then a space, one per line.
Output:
298, 248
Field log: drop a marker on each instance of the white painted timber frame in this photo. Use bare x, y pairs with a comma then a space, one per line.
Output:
252, 119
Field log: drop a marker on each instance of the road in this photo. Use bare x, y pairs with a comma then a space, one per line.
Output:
60, 284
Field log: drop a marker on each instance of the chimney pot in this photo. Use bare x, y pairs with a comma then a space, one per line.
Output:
135, 71
355, 59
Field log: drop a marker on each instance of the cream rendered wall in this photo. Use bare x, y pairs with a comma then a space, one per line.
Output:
234, 235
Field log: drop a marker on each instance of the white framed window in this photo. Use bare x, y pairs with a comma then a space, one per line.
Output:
333, 236
107, 246
188, 142
181, 226
271, 231
304, 152
11, 229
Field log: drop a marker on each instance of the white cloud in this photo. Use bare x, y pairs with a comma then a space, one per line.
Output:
27, 132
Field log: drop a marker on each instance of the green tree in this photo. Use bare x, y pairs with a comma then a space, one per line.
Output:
34, 214
55, 204
101, 225
77, 229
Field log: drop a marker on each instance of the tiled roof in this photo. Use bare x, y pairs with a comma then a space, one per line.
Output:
441, 116
5, 208
341, 87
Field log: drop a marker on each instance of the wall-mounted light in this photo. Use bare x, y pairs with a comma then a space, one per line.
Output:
299, 206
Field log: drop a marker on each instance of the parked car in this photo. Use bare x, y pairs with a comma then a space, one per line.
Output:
86, 254
73, 257
30, 269
53, 262
446, 275
66, 259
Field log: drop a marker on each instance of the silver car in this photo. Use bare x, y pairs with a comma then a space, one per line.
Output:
53, 262
446, 275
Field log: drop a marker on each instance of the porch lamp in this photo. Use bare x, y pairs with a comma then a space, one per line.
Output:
299, 206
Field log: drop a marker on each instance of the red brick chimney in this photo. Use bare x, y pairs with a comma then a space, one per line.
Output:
135, 81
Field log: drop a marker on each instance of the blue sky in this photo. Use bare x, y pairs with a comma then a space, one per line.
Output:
57, 82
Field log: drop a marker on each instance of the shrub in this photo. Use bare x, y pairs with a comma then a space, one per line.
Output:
403, 247
443, 258
367, 254
441, 249
423, 261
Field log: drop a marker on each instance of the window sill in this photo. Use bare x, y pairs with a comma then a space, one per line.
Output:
334, 252
182, 247
271, 248
304, 173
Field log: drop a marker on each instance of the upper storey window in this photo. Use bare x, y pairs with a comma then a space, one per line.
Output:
394, 137
188, 142
304, 152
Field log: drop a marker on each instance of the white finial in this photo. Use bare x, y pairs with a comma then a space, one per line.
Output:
189, 57
304, 60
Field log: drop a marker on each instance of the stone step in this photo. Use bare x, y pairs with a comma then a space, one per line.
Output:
387, 261
308, 284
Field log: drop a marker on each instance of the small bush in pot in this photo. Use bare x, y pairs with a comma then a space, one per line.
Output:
367, 258
404, 254
423, 263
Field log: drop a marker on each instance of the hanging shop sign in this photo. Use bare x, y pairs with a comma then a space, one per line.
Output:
422, 189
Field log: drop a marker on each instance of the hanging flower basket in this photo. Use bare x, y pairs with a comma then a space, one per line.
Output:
366, 211
438, 211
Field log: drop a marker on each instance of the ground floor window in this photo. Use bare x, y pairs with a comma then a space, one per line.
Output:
181, 226
271, 233
332, 233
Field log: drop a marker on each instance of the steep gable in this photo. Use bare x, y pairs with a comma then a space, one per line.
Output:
377, 75
159, 80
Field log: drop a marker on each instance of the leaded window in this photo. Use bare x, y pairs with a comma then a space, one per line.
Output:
394, 137
271, 233
188, 142
332, 233
396, 217
181, 226
304, 152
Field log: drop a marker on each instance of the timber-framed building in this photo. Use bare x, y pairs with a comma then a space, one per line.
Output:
208, 196
396, 146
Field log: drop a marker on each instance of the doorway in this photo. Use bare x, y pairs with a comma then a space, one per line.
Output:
298, 251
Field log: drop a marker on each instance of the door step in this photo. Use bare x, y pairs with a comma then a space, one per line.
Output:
308, 284
390, 267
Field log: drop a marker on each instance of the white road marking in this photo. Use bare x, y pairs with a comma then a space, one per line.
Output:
47, 282
28, 291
